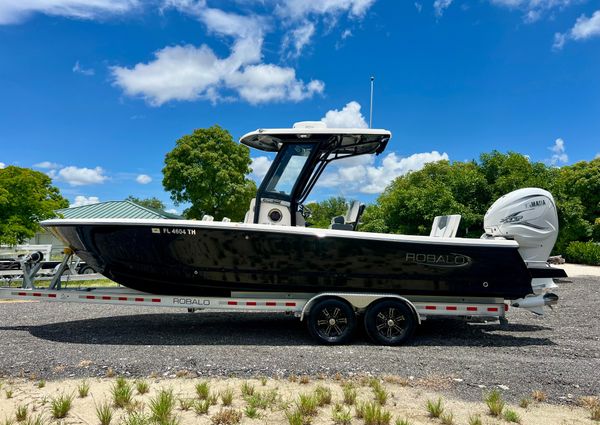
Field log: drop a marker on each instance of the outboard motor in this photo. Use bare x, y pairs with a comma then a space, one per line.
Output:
529, 217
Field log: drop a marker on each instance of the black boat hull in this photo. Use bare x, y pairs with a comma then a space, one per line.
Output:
193, 258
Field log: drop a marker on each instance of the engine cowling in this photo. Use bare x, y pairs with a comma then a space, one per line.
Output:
529, 217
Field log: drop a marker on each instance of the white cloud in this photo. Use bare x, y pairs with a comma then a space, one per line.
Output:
76, 176
583, 29
348, 117
439, 6
299, 9
418, 6
533, 10
347, 33
78, 69
172, 211
14, 12
81, 200
191, 73
143, 179
297, 39
2, 165
47, 165
260, 165
363, 175
559, 155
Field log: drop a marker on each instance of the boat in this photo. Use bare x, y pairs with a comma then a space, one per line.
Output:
275, 250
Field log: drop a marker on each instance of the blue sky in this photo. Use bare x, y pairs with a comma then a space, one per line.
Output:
96, 92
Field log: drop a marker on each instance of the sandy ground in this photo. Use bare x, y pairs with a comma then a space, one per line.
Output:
577, 270
406, 401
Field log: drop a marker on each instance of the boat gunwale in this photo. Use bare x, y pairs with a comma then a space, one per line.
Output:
308, 231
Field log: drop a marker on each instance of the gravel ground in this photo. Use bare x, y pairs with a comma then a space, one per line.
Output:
558, 353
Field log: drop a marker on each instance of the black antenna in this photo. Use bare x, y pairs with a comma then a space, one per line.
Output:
371, 109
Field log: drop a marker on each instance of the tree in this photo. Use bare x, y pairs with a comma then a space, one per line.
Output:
324, 211
208, 169
153, 202
411, 202
26, 198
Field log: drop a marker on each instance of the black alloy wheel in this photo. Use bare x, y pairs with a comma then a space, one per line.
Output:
332, 321
389, 322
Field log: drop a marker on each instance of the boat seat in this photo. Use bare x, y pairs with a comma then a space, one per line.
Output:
350, 220
445, 226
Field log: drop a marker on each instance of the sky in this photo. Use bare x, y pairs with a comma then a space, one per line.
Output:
95, 92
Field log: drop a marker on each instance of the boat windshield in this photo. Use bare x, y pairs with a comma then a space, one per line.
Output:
289, 169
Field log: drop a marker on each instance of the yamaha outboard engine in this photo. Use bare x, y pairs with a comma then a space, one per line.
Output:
529, 217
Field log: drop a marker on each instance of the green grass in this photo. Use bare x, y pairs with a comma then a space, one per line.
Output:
524, 403
186, 404
263, 399
322, 395
381, 395
307, 405
60, 406
373, 414
447, 418
435, 408
9, 393
595, 413
341, 415
349, 393
512, 416
36, 420
41, 383
122, 393
142, 387
475, 420
161, 407
247, 389
104, 413
135, 418
21, 413
202, 390
226, 396
251, 412
83, 389
402, 422
494, 402
295, 417
201, 407
263, 381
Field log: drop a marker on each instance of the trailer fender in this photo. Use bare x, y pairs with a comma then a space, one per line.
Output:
358, 301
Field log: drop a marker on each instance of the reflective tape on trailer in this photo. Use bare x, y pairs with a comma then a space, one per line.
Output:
467, 309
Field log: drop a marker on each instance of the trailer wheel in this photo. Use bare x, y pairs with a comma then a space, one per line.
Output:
332, 321
389, 322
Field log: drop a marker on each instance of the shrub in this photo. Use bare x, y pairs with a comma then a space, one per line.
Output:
539, 395
435, 409
60, 406
583, 253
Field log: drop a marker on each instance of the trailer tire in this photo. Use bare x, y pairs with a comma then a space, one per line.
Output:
389, 322
332, 321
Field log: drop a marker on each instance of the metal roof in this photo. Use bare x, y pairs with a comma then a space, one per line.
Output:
114, 209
